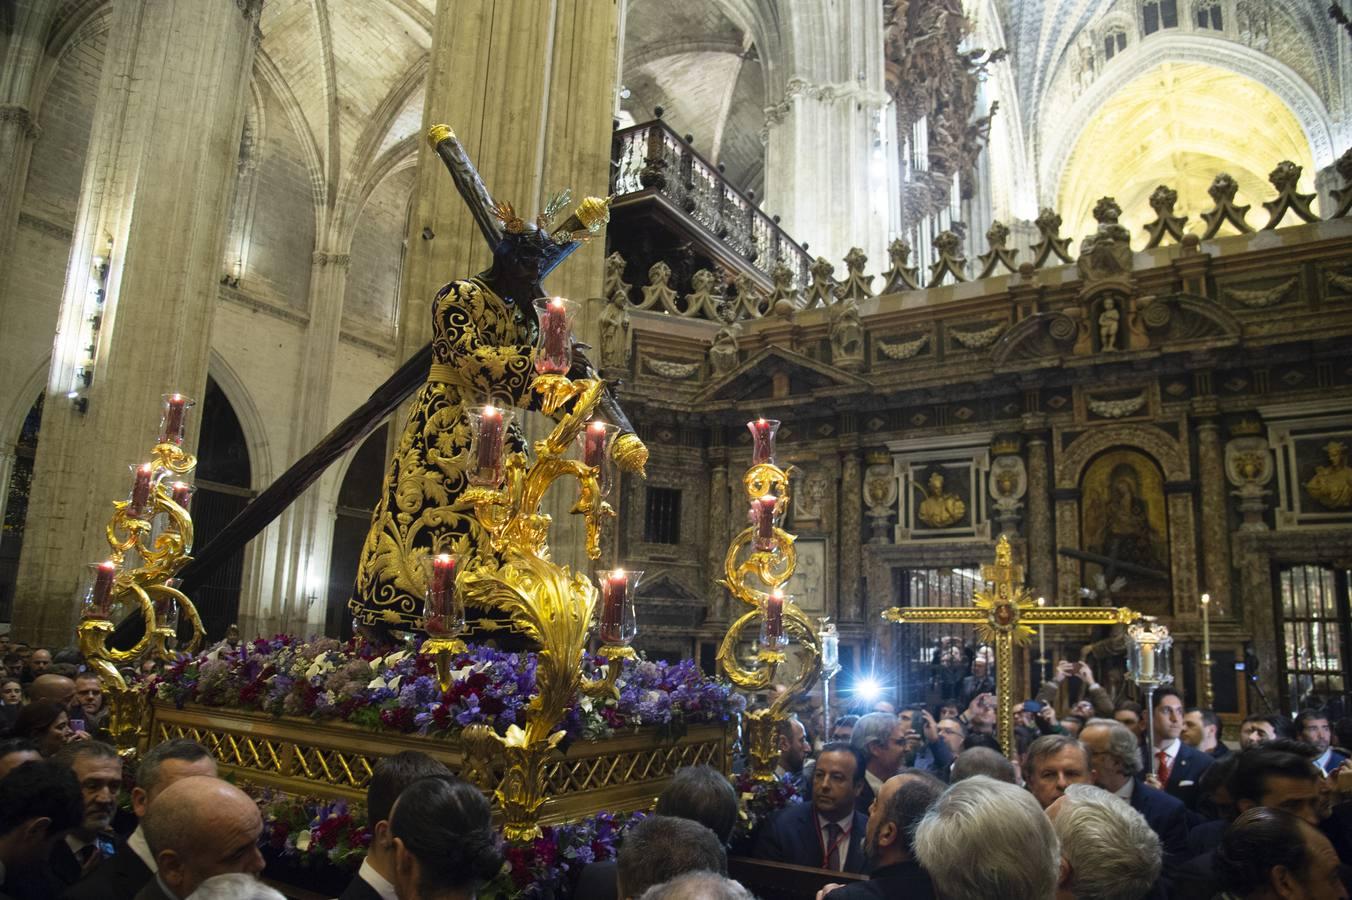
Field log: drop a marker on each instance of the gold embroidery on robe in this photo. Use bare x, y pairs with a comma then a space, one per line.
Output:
482, 349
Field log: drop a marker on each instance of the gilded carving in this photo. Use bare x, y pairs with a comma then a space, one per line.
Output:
1331, 485
940, 508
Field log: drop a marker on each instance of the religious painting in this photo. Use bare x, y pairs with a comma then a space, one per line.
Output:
1124, 523
810, 585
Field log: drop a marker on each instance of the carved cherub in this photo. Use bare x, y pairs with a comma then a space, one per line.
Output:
1108, 322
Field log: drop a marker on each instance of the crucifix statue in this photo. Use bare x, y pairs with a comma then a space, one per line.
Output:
1005, 613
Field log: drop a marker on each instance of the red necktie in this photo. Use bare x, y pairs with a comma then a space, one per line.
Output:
831, 858
1162, 772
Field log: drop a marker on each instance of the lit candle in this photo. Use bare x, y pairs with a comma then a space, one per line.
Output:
763, 440
140, 489
175, 406
614, 586
181, 493
1148, 657
1041, 638
490, 444
439, 617
774, 617
554, 349
1206, 628
830, 649
100, 598
763, 510
594, 447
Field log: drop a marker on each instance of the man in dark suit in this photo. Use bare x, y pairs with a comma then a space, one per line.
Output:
196, 828
39, 801
1312, 727
889, 840
880, 740
828, 832
1174, 764
123, 876
794, 748
375, 878
98, 770
1116, 764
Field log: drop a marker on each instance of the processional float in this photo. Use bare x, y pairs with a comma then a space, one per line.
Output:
481, 539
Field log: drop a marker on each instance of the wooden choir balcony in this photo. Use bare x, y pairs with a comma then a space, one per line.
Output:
674, 205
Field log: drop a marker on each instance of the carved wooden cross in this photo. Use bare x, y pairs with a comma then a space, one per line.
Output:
1004, 614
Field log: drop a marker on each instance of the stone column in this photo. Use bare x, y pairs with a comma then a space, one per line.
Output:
1215, 514
305, 529
827, 172
18, 120
157, 184
529, 90
719, 531
1041, 540
851, 603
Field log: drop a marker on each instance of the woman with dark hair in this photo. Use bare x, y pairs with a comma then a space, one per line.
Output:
445, 844
46, 724
11, 701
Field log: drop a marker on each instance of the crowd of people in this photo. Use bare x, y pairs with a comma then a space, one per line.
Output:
916, 803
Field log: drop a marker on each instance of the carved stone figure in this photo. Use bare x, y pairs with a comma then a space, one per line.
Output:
659, 292
1331, 485
614, 277
615, 346
809, 500
1248, 466
847, 335
1107, 252
702, 296
940, 508
723, 354
1107, 322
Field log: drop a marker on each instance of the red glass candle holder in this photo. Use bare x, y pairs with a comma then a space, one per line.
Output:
554, 354
763, 433
772, 636
763, 517
443, 607
97, 602
142, 489
487, 449
181, 493
174, 418
617, 616
593, 447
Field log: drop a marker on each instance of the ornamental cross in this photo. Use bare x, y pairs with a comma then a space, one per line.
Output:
1005, 613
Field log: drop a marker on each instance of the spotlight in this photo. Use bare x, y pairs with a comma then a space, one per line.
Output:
867, 689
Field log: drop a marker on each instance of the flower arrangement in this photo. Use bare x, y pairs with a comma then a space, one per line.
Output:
760, 801
322, 679
319, 835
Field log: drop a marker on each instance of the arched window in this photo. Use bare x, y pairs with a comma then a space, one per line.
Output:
356, 499
1114, 41
1207, 14
1157, 14
16, 507
224, 479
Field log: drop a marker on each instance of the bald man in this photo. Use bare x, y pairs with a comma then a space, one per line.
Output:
196, 828
57, 688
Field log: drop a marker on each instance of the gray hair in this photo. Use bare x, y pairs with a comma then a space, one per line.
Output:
998, 824
874, 727
659, 848
1122, 745
982, 761
234, 886
1112, 851
184, 749
1050, 745
698, 886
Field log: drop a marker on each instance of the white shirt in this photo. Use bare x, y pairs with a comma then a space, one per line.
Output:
137, 844
1171, 750
874, 782
1324, 759
1125, 790
368, 874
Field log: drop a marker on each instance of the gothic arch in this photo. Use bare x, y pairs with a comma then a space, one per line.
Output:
12, 419
1056, 146
250, 419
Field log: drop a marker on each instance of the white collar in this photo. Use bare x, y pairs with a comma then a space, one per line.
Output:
75, 844
1125, 790
874, 782
368, 874
1323, 759
1170, 749
138, 845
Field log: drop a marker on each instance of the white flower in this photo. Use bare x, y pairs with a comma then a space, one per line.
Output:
318, 667
303, 841
394, 682
376, 683
586, 704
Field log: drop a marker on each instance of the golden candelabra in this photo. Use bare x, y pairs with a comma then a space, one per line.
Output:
150, 536
760, 560
548, 603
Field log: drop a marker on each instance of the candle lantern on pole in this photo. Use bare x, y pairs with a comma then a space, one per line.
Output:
1148, 662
